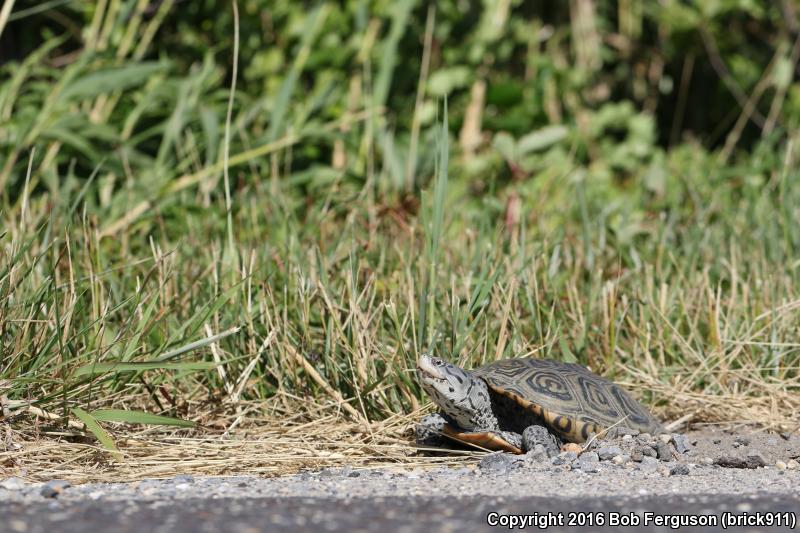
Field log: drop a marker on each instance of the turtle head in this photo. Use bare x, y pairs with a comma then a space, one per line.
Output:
462, 396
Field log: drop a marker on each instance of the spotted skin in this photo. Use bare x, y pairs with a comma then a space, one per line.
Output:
492, 406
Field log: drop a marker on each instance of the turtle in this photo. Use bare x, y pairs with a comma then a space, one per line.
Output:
513, 405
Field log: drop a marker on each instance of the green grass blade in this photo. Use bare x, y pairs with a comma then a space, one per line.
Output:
101, 434
139, 417
102, 368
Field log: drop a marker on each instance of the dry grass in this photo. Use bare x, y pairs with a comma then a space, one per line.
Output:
296, 436
278, 444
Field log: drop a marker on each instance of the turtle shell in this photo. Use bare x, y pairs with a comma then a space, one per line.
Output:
568, 398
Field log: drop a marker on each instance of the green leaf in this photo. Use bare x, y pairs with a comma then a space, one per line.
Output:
540, 139
139, 417
113, 79
101, 434
102, 368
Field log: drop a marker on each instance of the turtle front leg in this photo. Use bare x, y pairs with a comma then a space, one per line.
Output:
536, 435
430, 430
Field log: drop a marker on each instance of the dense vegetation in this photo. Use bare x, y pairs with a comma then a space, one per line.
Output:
613, 183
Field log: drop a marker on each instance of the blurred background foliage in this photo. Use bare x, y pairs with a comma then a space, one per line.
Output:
140, 85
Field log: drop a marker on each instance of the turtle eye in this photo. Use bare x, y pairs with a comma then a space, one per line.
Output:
438, 362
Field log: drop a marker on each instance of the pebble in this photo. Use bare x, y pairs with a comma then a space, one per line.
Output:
53, 488
664, 452
620, 459
681, 443
649, 464
627, 437
648, 451
753, 460
792, 464
707, 461
12, 483
607, 453
569, 456
499, 462
571, 447
637, 455
772, 441
679, 470
665, 438
743, 441
780, 465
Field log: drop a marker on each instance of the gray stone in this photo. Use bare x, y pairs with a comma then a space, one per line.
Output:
753, 460
679, 470
742, 441
664, 451
649, 464
569, 456
772, 441
587, 463
606, 453
538, 454
540, 435
12, 483
637, 455
681, 443
53, 488
499, 462
649, 451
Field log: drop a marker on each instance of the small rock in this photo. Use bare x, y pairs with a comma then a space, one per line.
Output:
571, 447
637, 455
756, 459
627, 437
499, 462
772, 441
717, 441
558, 460
620, 459
780, 465
707, 461
664, 452
664, 471
12, 483
649, 464
786, 436
681, 443
607, 453
53, 488
539, 454
587, 464
736, 444
645, 436
569, 457
743, 441
649, 451
665, 438
753, 460
791, 464
679, 470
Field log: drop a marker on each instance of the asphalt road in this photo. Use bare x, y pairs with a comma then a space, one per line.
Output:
385, 514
